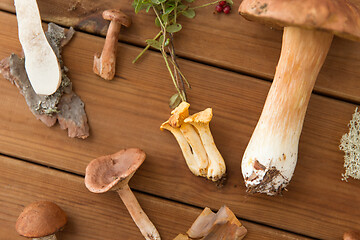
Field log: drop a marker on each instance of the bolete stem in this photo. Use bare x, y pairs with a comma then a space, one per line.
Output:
141, 220
270, 158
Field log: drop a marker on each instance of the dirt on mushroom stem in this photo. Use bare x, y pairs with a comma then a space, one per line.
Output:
274, 143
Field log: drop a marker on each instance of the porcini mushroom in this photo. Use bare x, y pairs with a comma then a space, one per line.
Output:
104, 65
216, 168
113, 172
41, 64
41, 221
271, 155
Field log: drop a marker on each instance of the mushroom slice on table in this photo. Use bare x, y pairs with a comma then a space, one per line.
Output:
215, 226
41, 221
41, 63
104, 64
188, 139
201, 120
309, 26
113, 172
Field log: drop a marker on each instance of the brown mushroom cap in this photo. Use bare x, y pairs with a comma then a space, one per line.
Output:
40, 219
117, 15
105, 172
340, 17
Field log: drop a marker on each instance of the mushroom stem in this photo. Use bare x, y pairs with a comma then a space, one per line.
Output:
141, 220
104, 65
216, 167
50, 237
270, 157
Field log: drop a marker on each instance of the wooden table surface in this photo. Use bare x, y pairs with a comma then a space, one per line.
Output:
229, 62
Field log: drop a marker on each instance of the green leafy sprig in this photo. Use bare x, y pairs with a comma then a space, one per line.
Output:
167, 13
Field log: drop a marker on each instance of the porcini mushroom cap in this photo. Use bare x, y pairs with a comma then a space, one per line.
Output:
117, 15
40, 219
200, 117
339, 17
106, 172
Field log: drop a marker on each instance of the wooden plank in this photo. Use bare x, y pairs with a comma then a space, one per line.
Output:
128, 111
228, 41
94, 216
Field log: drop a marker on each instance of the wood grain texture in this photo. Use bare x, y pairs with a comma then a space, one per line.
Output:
128, 111
94, 216
227, 41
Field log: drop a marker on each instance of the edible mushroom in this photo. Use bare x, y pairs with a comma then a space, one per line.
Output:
113, 172
104, 65
352, 235
200, 121
41, 64
271, 155
41, 220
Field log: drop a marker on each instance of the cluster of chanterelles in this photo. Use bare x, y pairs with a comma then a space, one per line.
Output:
196, 142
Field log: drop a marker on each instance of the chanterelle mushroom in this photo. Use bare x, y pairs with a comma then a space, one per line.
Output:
41, 220
41, 64
201, 120
271, 155
113, 172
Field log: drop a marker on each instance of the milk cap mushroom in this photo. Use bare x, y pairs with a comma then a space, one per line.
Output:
270, 158
104, 64
113, 172
41, 220
41, 63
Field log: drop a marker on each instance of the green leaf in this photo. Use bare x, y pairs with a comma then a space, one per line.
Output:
157, 22
169, 9
161, 40
174, 28
165, 18
181, 7
155, 1
153, 43
175, 100
190, 13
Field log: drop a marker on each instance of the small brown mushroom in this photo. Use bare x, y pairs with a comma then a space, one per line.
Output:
41, 220
104, 65
113, 172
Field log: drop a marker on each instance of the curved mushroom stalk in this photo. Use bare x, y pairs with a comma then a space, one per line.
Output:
271, 155
191, 159
200, 121
113, 172
141, 220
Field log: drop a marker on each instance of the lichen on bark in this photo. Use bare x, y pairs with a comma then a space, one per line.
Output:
63, 105
350, 144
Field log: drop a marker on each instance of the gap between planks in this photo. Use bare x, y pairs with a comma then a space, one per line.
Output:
73, 197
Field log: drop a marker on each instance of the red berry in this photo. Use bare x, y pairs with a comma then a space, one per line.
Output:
219, 8
222, 3
227, 9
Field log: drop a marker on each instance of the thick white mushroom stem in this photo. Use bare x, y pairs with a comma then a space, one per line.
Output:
50, 237
271, 155
141, 220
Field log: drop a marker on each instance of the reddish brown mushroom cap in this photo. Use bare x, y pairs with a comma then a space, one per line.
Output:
40, 219
117, 15
105, 172
340, 17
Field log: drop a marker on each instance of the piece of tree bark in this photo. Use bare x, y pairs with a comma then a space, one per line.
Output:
220, 226
64, 105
